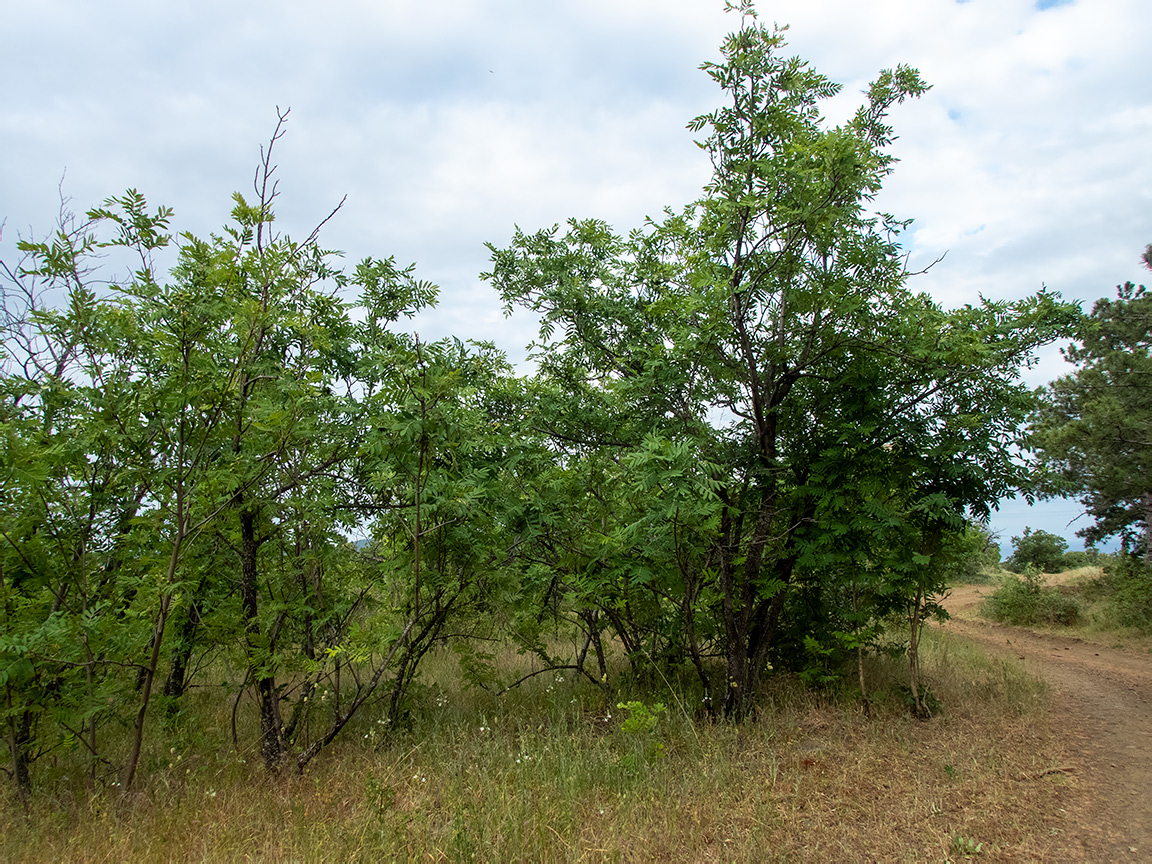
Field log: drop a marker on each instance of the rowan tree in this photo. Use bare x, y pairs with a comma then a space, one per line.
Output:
767, 330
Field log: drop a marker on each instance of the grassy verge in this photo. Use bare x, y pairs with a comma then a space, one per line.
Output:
547, 773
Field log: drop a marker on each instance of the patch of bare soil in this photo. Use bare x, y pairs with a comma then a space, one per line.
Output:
1103, 700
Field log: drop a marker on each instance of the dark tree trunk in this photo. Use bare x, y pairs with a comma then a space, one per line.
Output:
591, 619
745, 612
20, 746
22, 754
1148, 530
750, 617
271, 746
176, 683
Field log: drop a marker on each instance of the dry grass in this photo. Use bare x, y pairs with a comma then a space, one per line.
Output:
543, 774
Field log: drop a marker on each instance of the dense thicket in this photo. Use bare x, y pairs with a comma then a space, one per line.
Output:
748, 446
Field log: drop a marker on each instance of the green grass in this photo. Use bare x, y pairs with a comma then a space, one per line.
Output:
548, 773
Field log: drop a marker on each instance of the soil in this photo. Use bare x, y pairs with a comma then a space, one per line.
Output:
1103, 697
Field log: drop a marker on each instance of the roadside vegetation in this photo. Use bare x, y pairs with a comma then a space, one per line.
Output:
1100, 594
711, 467
1027, 600
550, 771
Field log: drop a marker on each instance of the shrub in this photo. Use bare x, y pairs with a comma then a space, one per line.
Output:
1075, 560
1130, 581
1029, 601
974, 554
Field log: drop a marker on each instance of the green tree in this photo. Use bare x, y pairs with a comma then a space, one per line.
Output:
286, 339
293, 423
977, 553
1038, 549
1094, 428
180, 460
434, 475
766, 329
75, 404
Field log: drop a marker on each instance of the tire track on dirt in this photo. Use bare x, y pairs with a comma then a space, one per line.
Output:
1103, 697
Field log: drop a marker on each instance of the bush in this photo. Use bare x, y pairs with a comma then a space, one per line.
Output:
1038, 549
1075, 560
1029, 601
1130, 581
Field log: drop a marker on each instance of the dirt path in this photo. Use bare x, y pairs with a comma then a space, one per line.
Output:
1105, 697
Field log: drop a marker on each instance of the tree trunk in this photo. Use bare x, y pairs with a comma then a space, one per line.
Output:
20, 746
749, 621
93, 720
149, 672
1148, 530
916, 620
271, 745
176, 683
691, 591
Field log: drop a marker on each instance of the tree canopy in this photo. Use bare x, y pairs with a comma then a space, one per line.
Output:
1094, 428
762, 346
1041, 550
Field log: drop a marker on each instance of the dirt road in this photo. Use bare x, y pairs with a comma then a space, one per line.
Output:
1105, 697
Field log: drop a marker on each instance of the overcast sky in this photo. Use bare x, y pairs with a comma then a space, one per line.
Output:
448, 123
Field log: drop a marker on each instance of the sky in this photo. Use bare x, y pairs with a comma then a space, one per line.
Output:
448, 124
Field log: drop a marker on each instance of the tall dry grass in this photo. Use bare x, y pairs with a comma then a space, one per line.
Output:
546, 773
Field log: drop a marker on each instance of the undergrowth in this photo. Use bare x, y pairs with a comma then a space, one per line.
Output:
553, 771
1126, 589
